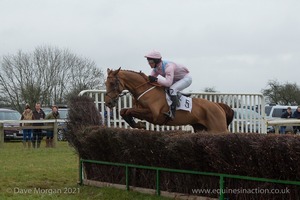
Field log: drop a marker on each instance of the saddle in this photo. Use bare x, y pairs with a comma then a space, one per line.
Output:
184, 94
184, 101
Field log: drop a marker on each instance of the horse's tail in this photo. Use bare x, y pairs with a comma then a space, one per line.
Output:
229, 113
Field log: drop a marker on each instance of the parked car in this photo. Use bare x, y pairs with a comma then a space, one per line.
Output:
247, 120
275, 113
63, 114
9, 114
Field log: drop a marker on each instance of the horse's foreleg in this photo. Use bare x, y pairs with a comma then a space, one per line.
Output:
140, 113
127, 117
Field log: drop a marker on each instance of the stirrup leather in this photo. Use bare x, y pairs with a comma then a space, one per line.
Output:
170, 114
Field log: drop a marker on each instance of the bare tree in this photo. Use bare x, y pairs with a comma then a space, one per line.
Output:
210, 89
286, 94
46, 75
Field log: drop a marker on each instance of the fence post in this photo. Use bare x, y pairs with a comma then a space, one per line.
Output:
221, 188
127, 177
80, 171
55, 133
276, 129
1, 134
157, 182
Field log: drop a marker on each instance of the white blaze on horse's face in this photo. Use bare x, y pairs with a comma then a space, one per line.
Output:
113, 90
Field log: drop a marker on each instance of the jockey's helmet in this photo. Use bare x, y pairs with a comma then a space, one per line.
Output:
153, 55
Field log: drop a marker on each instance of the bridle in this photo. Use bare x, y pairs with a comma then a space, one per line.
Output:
115, 88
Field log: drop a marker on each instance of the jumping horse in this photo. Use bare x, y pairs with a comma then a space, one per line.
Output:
151, 104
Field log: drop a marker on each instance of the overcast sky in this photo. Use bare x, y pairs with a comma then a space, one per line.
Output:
235, 46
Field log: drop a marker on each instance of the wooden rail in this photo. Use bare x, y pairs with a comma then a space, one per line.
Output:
49, 124
283, 122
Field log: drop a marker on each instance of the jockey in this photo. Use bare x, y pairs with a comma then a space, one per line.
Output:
169, 74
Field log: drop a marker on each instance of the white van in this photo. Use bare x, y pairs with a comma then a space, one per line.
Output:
278, 110
275, 113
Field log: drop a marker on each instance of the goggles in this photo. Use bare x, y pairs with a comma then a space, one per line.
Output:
151, 61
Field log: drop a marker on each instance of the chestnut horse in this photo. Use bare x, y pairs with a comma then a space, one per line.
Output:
152, 104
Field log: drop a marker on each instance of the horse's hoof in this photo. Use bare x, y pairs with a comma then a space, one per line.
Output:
140, 125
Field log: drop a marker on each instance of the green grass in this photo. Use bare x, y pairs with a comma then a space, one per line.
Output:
47, 173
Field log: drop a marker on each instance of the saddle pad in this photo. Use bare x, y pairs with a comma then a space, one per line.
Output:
185, 103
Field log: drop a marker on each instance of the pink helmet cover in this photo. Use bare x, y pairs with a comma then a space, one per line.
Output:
153, 54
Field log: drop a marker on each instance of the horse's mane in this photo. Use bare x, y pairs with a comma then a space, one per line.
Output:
140, 73
144, 76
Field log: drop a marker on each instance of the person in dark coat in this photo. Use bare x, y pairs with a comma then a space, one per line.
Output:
287, 114
52, 115
38, 114
296, 115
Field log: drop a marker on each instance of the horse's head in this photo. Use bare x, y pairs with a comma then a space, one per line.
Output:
114, 88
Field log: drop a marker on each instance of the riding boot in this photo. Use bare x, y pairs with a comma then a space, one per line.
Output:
173, 105
172, 111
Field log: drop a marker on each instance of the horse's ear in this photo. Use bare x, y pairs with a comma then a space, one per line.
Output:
117, 71
108, 70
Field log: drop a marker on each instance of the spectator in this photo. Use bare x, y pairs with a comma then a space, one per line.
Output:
287, 114
38, 114
296, 115
52, 115
27, 115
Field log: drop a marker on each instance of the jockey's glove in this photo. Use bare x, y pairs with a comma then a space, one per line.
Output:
152, 79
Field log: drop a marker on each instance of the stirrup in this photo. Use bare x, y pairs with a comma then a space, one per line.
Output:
169, 114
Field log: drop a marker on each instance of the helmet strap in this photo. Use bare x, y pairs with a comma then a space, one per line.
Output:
157, 61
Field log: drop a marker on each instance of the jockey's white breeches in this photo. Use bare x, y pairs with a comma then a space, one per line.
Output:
180, 85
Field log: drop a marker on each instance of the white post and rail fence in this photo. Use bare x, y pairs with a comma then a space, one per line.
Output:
244, 123
241, 123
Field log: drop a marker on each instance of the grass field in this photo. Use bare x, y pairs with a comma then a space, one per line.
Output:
49, 173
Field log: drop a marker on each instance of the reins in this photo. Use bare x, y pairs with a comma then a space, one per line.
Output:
148, 90
145, 92
117, 88
141, 85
